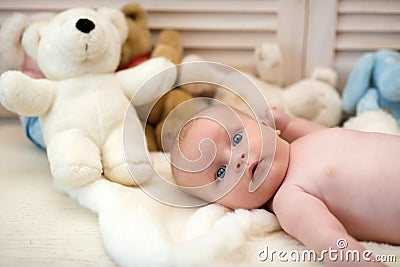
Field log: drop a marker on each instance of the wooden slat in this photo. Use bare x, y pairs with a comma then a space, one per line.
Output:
367, 41
224, 40
291, 36
364, 26
211, 6
369, 7
347, 59
233, 6
369, 23
212, 21
241, 59
321, 35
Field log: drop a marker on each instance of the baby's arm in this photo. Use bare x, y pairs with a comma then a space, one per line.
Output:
308, 219
25, 95
293, 128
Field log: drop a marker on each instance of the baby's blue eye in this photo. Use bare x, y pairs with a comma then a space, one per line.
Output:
237, 138
220, 173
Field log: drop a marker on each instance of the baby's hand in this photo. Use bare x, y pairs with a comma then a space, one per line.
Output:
281, 118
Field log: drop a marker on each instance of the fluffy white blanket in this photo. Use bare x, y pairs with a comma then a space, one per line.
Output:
140, 231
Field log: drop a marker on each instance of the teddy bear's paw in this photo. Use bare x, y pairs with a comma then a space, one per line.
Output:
137, 173
8, 90
19, 93
76, 176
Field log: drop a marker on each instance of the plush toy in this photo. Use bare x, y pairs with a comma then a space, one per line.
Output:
13, 57
314, 98
138, 46
82, 103
376, 120
268, 67
12, 54
179, 106
311, 98
169, 45
269, 64
199, 72
374, 83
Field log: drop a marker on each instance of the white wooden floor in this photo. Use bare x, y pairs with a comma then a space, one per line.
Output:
40, 226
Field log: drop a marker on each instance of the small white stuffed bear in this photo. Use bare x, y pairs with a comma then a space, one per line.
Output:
82, 103
311, 98
269, 63
315, 98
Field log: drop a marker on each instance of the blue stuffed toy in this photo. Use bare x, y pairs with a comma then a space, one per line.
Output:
374, 83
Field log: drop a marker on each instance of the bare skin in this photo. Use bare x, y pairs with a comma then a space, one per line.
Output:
325, 185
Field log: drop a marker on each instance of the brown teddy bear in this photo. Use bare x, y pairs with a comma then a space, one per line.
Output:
168, 102
138, 48
158, 114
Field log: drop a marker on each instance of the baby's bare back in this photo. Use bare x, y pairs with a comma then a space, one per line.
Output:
356, 175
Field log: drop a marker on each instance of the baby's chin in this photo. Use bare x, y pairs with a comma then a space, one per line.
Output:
243, 204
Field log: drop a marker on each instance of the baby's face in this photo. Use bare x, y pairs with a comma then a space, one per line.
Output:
230, 155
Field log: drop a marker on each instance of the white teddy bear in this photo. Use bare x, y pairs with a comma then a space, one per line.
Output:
82, 103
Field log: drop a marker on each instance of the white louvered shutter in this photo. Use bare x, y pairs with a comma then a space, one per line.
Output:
357, 27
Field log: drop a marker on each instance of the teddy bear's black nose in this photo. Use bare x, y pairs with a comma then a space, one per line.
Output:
85, 25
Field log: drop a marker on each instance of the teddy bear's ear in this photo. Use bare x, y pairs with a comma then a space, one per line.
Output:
118, 19
31, 39
12, 53
325, 74
136, 13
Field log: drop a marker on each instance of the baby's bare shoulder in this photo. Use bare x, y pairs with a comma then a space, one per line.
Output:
340, 138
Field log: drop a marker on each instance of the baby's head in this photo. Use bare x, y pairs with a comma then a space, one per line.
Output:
223, 155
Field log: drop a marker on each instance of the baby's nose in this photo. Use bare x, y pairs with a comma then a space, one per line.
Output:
241, 161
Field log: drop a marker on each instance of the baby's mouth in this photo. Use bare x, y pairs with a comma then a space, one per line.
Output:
253, 168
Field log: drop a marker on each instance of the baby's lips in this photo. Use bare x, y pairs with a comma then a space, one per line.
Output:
252, 169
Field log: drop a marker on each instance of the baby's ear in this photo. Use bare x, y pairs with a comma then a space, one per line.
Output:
31, 39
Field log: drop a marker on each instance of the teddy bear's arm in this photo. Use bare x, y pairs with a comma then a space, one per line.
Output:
24, 95
148, 81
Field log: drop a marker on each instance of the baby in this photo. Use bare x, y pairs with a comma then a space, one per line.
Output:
323, 184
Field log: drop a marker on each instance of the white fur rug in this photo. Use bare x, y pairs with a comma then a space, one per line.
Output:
138, 231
